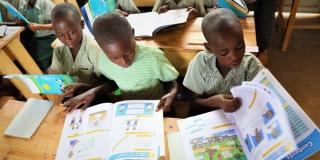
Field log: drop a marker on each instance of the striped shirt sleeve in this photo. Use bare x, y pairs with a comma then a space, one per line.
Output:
194, 79
166, 71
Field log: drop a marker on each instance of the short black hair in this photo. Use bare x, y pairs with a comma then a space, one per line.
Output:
64, 10
112, 27
218, 21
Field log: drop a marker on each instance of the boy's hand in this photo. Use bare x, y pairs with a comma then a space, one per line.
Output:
193, 13
33, 26
163, 9
123, 13
165, 102
227, 102
69, 90
83, 100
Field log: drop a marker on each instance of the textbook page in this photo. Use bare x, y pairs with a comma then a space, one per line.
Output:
306, 133
210, 136
262, 124
147, 24
137, 131
86, 133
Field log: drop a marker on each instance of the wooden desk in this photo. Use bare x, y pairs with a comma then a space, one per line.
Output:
11, 49
45, 141
181, 43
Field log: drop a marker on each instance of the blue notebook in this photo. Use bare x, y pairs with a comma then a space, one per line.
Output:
44, 83
14, 12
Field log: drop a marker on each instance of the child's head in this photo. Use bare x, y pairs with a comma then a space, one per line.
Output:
31, 3
67, 23
224, 36
116, 38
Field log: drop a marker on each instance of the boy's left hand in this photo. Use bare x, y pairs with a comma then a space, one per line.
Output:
165, 102
193, 13
84, 100
33, 26
123, 13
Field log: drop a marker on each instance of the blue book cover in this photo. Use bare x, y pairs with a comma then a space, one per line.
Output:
237, 6
14, 12
95, 8
99, 7
44, 83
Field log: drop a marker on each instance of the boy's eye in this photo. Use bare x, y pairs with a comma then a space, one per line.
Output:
240, 47
71, 32
224, 53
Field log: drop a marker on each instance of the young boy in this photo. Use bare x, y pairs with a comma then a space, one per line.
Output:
78, 56
140, 71
224, 64
39, 42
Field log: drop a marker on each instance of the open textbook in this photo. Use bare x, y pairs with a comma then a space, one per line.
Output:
13, 11
124, 130
147, 24
43, 83
269, 125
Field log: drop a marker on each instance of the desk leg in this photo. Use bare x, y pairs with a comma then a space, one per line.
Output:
20, 53
290, 25
16, 49
8, 67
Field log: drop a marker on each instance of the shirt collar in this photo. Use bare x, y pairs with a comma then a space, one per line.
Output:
37, 5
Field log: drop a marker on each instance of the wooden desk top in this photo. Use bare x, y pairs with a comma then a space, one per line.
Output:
189, 35
45, 141
11, 33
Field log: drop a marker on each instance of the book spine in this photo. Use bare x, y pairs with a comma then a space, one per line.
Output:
86, 18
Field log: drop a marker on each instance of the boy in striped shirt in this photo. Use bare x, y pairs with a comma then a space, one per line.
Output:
140, 71
223, 64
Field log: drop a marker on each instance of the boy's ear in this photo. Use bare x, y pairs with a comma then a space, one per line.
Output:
206, 45
82, 24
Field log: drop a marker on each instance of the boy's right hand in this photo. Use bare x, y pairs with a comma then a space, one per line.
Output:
163, 9
83, 100
227, 102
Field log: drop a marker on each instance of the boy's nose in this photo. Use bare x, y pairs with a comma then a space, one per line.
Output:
67, 37
124, 62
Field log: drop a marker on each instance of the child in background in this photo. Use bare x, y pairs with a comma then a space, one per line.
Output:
79, 54
126, 7
38, 43
223, 64
140, 71
195, 7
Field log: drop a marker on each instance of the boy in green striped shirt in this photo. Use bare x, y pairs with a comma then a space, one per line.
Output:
140, 71
224, 64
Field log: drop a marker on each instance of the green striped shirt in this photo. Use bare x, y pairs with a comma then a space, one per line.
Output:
143, 79
204, 78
